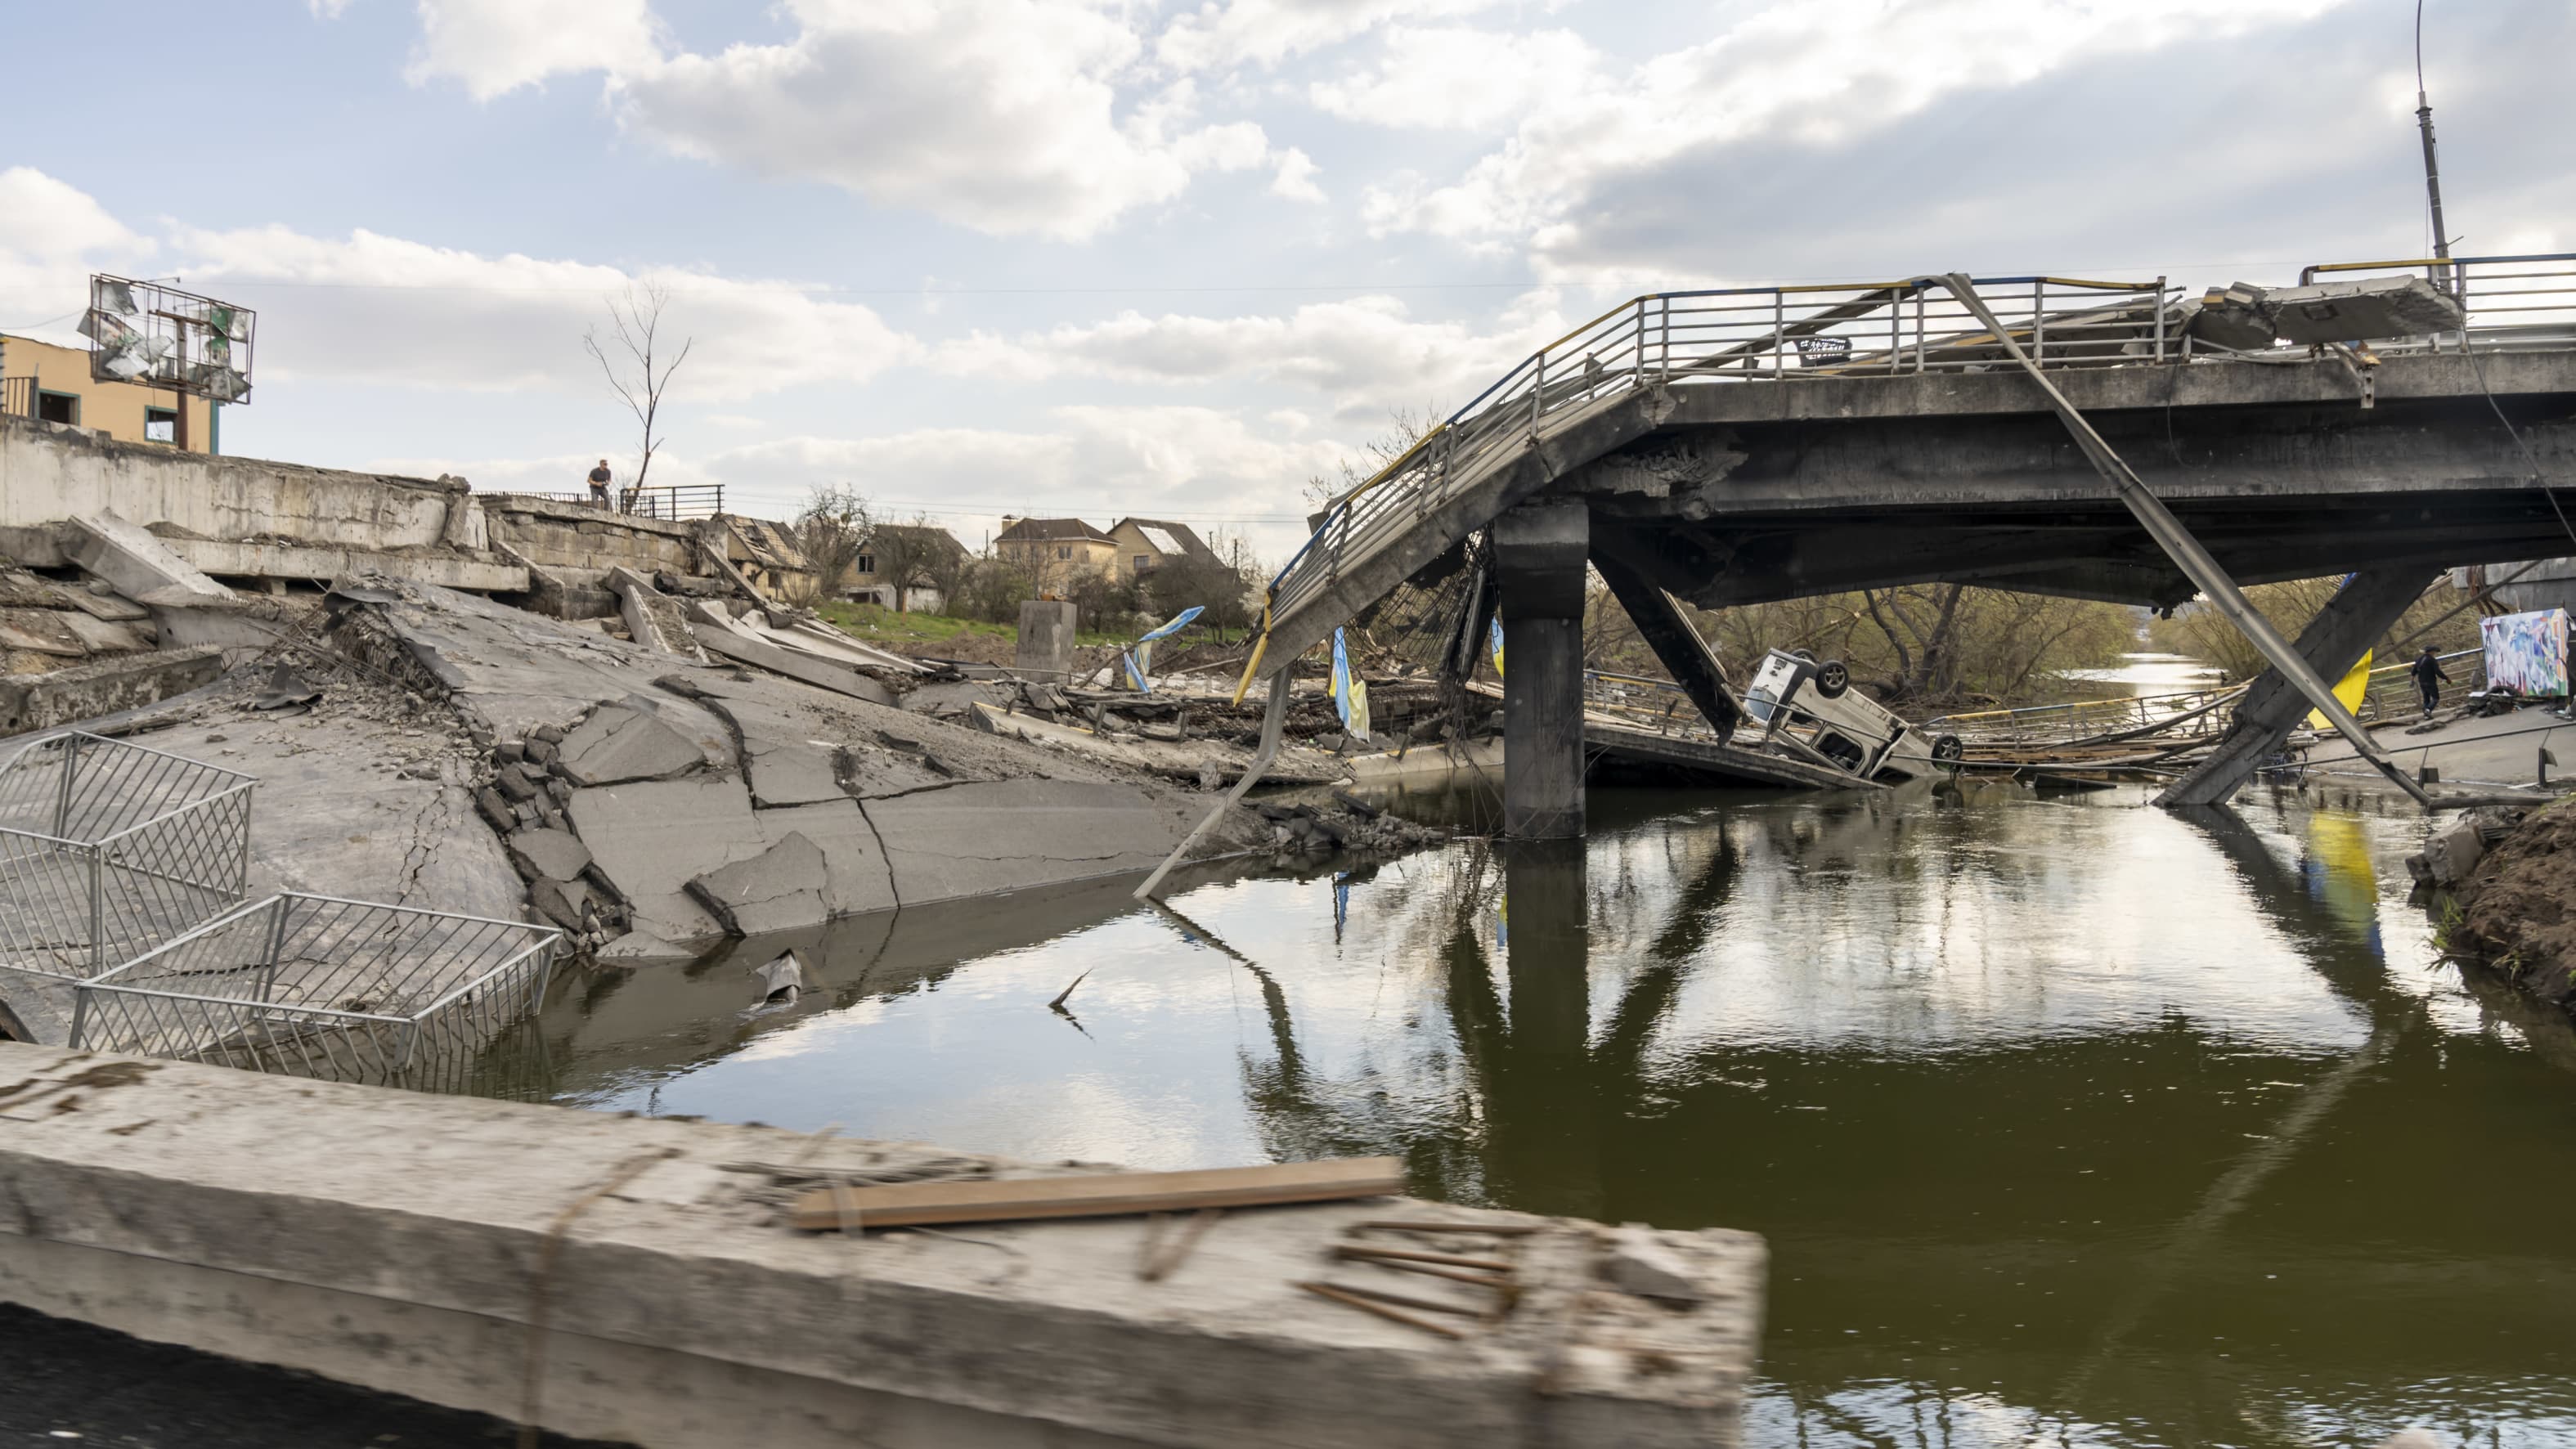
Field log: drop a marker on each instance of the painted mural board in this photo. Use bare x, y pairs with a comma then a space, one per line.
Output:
2526, 653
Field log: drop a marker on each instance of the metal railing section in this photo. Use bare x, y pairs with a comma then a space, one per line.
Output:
320, 987
2388, 694
17, 397
675, 503
108, 849
1824, 333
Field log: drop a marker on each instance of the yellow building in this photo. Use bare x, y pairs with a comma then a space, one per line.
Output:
1146, 544
50, 383
1056, 551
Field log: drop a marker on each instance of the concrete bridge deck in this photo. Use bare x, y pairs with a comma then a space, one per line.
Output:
1739, 446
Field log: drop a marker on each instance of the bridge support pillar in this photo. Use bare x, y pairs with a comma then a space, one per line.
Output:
1540, 550
1670, 633
2351, 621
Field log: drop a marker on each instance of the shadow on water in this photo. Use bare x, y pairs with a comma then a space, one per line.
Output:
2069, 1122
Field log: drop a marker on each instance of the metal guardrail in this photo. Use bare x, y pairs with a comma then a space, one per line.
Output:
320, 987
672, 504
2389, 694
17, 397
1822, 333
109, 848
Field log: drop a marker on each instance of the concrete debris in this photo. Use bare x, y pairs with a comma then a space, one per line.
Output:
1046, 639
720, 634
568, 903
1635, 1260
549, 854
782, 978
98, 687
620, 742
2357, 311
139, 565
40, 631
286, 687
653, 619
649, 840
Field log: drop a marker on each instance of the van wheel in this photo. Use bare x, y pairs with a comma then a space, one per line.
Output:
1832, 678
1947, 749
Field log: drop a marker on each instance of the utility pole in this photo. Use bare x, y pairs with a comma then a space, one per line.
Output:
2432, 169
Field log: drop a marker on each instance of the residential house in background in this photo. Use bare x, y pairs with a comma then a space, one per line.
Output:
871, 578
1056, 551
1146, 544
52, 384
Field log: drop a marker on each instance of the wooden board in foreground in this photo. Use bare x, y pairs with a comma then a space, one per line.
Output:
1103, 1195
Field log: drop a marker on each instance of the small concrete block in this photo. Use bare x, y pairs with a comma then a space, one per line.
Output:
549, 854
2454, 852
618, 743
641, 948
510, 752
516, 784
539, 752
495, 810
781, 889
1047, 630
565, 903
1634, 1262
551, 734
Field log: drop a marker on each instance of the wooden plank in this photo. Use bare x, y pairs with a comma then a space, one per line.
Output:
1110, 1194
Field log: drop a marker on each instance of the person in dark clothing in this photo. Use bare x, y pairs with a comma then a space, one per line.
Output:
2429, 678
599, 484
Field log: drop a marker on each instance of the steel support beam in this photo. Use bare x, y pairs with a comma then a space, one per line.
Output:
1669, 632
2366, 608
2190, 557
1540, 554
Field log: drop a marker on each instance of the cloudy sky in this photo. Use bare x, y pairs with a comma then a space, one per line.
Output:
1119, 256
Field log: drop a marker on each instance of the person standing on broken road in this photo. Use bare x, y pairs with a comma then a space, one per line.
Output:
2429, 678
599, 484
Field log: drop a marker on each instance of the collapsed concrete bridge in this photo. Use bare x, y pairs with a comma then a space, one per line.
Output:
1744, 445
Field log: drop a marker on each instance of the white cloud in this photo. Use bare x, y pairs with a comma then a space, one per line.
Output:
326, 9
377, 308
51, 235
1295, 178
1365, 354
496, 46
1449, 77
1266, 32
1790, 74
1000, 114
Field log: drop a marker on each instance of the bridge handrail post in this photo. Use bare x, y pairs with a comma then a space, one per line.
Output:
1919, 291
1637, 338
2038, 320
2160, 319
1779, 333
1667, 368
1538, 393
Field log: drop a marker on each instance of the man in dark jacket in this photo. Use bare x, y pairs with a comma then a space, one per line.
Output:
599, 484
2429, 678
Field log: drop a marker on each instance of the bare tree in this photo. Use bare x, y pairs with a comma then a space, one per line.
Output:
912, 555
833, 531
1404, 428
631, 362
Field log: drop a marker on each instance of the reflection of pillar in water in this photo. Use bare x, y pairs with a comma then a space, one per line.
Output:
1541, 1104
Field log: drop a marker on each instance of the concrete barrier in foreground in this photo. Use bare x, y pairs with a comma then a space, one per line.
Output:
636, 1279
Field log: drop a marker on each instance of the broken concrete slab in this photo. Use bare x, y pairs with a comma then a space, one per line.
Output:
621, 742
387, 1239
570, 904
653, 619
108, 636
140, 565
650, 839
321, 563
549, 854
1295, 764
2361, 310
1005, 835
857, 879
41, 631
84, 691
746, 647
780, 889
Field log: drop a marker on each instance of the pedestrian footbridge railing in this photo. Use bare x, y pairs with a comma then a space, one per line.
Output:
1820, 334
313, 986
108, 849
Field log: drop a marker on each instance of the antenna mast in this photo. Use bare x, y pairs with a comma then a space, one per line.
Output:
2432, 169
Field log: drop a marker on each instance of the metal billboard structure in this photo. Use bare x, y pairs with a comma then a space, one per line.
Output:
154, 335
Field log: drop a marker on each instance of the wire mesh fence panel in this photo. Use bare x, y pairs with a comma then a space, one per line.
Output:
319, 987
108, 849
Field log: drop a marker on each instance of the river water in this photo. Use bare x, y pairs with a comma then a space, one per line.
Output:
2068, 1121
